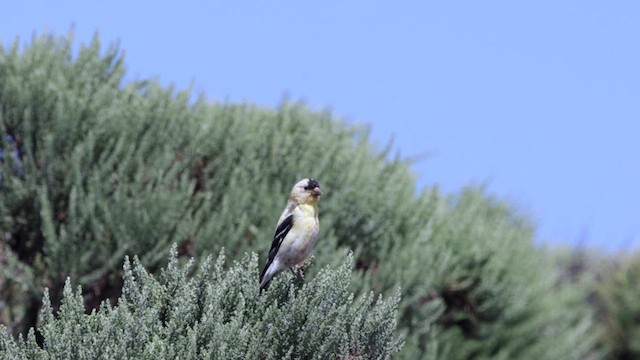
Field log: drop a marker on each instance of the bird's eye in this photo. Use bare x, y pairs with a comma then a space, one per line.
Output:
311, 184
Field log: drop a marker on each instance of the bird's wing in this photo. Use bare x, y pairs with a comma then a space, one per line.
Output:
281, 232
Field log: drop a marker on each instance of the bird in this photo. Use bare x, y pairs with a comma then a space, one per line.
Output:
296, 232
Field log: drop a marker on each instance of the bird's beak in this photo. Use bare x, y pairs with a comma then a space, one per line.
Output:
316, 191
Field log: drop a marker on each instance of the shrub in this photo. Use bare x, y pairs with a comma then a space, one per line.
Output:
94, 168
216, 314
613, 293
475, 287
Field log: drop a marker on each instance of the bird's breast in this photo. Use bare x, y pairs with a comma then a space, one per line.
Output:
301, 240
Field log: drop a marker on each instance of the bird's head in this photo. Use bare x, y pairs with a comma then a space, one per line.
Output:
305, 191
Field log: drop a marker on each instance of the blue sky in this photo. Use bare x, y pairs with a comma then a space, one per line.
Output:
538, 100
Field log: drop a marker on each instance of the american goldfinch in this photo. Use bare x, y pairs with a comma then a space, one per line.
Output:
296, 232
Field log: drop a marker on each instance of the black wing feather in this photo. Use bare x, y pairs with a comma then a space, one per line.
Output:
281, 232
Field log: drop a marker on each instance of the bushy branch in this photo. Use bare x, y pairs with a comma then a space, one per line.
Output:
216, 314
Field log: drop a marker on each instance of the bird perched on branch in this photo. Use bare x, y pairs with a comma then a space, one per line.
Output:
296, 232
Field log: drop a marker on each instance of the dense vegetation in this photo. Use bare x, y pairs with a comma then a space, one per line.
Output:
95, 168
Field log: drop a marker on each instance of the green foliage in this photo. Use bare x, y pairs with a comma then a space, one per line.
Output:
618, 307
216, 314
108, 169
87, 192
475, 287
611, 287
94, 168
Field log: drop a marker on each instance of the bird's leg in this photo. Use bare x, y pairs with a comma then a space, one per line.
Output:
299, 276
296, 270
299, 270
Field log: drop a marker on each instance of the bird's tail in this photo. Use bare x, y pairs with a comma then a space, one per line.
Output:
265, 278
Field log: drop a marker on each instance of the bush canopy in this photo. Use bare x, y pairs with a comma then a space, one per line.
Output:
94, 168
